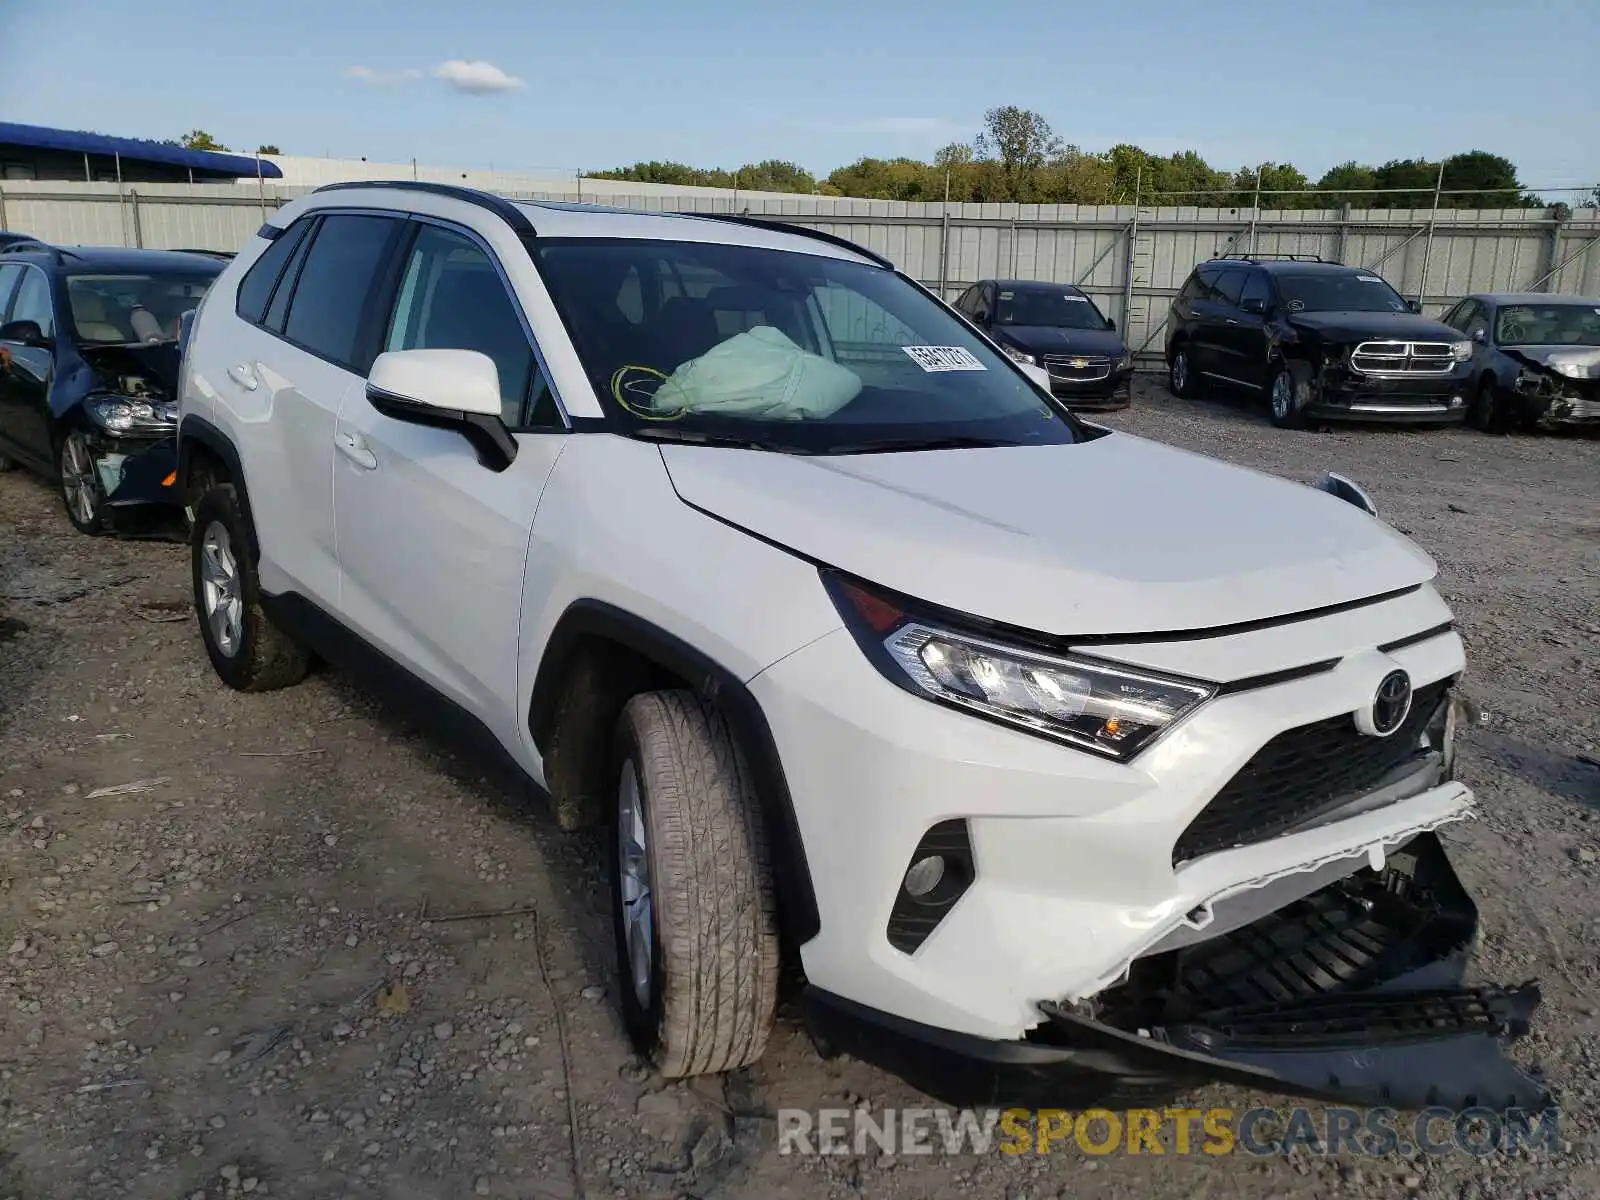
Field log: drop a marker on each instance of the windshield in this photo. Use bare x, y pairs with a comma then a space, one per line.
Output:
1548, 325
113, 309
783, 351
1339, 291
1056, 309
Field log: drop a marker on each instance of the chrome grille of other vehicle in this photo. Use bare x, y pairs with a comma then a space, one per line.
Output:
1403, 358
1077, 368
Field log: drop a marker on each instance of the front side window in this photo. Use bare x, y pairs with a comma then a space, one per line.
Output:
113, 308
1548, 325
255, 289
1339, 291
1056, 308
782, 350
1229, 285
32, 302
332, 294
452, 298
8, 283
1256, 287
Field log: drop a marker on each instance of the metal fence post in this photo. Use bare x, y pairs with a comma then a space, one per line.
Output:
1133, 249
2, 208
138, 229
1556, 212
1427, 248
1344, 232
944, 241
1255, 212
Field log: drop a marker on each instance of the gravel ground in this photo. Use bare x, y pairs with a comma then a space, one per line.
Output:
236, 972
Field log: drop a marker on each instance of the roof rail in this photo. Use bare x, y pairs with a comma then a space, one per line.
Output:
1254, 257
782, 226
499, 205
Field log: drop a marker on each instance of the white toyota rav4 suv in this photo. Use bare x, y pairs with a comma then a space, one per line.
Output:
1063, 764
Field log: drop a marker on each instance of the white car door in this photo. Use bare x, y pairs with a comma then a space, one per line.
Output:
432, 543
292, 351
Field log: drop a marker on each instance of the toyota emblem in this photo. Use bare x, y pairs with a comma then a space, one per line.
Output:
1392, 703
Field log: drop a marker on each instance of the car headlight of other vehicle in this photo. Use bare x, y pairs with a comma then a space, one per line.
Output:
1572, 370
1461, 350
125, 414
1125, 363
1020, 356
1101, 707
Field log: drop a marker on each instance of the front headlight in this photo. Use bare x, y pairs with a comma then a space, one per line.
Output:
1461, 350
1125, 363
1020, 356
1567, 367
1097, 706
123, 414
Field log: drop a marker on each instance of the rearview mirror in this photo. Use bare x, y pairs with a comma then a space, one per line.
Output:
447, 389
25, 333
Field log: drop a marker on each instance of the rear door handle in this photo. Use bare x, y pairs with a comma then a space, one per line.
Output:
354, 447
245, 376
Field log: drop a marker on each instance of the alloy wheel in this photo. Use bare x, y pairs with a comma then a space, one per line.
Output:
220, 591
79, 483
638, 915
1180, 371
1282, 395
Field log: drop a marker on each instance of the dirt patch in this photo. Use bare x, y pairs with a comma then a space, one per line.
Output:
234, 978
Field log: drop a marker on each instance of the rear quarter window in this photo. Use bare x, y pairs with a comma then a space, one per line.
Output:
255, 289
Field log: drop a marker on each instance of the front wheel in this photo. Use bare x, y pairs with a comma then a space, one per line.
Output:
694, 911
1180, 374
1485, 413
1287, 397
248, 651
82, 493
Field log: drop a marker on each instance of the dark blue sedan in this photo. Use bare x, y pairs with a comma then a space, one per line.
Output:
1536, 360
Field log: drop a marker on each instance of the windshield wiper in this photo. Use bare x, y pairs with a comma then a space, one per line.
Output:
894, 445
696, 437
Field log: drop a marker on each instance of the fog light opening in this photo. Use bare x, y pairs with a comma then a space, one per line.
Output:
925, 875
1458, 401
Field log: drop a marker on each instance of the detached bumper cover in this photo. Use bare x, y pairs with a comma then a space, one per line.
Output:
138, 471
1353, 993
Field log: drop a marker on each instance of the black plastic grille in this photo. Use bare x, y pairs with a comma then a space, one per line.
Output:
1303, 773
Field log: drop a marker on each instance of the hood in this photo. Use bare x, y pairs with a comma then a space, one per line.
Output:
1359, 326
1571, 362
1113, 536
154, 365
1049, 339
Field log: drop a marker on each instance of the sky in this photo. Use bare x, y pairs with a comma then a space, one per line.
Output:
516, 85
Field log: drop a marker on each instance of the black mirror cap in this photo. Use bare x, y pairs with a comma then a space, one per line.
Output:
1416, 306
495, 446
1111, 325
25, 333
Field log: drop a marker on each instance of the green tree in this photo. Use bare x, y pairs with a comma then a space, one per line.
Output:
269, 148
1349, 182
773, 175
1023, 142
199, 139
1478, 179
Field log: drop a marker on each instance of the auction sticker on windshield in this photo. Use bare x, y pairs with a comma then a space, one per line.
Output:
944, 358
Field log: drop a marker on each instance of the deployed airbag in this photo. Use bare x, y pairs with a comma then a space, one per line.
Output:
759, 373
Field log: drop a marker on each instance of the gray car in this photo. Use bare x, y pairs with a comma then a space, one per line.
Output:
1535, 362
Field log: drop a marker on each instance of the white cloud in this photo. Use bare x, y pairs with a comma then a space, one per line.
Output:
476, 76
381, 78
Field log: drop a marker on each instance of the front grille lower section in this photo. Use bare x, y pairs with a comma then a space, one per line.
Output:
1303, 773
1077, 368
1403, 358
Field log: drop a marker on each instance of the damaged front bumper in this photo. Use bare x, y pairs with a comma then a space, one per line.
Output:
137, 470
1546, 403
1351, 992
1350, 395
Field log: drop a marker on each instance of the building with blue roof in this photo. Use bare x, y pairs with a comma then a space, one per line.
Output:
38, 152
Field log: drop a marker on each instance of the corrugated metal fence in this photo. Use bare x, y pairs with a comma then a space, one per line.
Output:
1132, 261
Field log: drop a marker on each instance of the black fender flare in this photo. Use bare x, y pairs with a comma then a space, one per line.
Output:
797, 901
197, 431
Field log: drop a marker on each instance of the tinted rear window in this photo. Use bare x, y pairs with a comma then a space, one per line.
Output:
339, 276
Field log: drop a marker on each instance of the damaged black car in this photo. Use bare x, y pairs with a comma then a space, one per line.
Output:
1318, 341
89, 370
1536, 360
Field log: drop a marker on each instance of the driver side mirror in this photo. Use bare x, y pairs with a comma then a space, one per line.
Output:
1110, 324
1415, 305
447, 389
1255, 306
24, 333
1480, 335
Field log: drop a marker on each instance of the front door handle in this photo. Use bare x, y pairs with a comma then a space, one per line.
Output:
1231, 321
245, 376
354, 447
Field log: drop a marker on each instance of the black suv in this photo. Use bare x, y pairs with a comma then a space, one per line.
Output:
89, 369
1057, 327
1319, 340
